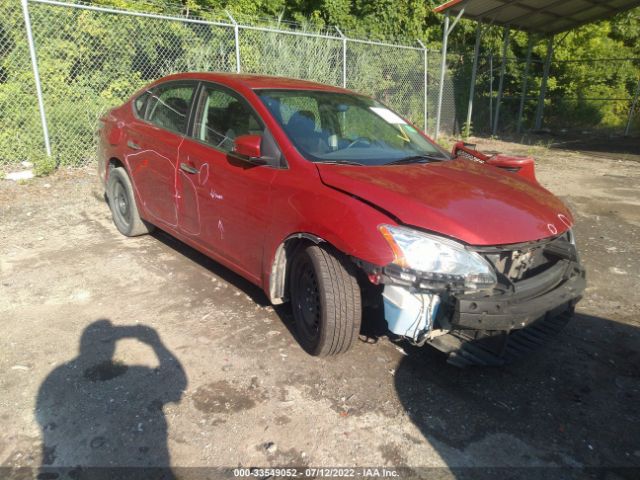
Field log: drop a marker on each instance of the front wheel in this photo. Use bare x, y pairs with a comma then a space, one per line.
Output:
325, 299
123, 205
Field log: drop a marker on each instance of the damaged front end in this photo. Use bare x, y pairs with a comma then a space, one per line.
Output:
480, 305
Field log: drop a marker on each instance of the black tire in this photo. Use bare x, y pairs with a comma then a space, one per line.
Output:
123, 205
325, 299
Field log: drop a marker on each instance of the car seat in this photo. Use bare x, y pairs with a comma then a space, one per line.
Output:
302, 129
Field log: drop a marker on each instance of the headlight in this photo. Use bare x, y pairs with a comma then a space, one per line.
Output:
438, 256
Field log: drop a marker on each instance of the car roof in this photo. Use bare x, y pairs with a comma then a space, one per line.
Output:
255, 81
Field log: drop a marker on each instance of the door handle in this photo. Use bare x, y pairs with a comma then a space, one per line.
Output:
133, 145
188, 168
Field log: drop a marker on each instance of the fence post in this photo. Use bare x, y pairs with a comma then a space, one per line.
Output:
36, 75
632, 110
426, 87
344, 57
236, 35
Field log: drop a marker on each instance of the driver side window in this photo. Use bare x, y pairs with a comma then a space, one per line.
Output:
221, 117
301, 117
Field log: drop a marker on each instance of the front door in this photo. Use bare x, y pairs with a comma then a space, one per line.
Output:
224, 201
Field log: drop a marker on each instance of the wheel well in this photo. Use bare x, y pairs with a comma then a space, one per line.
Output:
278, 280
114, 163
111, 164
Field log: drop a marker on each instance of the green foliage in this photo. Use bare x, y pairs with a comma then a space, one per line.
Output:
594, 71
42, 164
91, 62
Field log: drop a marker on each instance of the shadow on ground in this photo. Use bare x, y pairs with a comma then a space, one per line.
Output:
94, 411
572, 404
255, 293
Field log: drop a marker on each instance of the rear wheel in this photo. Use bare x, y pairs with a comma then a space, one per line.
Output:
325, 299
123, 205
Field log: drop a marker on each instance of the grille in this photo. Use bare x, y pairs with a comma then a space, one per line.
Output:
520, 262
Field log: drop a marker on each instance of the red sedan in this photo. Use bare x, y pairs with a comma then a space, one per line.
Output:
324, 197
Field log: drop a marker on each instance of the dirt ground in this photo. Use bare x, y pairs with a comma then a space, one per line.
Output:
120, 351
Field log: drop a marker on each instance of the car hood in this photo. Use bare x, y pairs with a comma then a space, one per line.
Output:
472, 202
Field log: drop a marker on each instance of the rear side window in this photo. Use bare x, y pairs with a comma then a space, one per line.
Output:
139, 103
168, 106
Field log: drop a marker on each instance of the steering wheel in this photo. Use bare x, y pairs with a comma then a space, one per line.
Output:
364, 140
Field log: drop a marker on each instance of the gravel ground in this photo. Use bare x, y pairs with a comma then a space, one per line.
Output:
125, 352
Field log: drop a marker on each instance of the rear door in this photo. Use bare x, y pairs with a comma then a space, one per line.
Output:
153, 141
224, 201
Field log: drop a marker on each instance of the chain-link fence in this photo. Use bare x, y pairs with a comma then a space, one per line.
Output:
20, 127
92, 58
305, 55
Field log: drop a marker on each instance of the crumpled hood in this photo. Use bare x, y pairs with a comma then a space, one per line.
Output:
475, 203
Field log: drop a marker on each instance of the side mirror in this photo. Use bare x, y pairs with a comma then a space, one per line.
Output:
247, 147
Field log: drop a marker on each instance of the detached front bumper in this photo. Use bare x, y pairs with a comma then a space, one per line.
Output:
484, 328
560, 285
499, 329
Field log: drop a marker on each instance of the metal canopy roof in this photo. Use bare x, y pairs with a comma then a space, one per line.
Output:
538, 16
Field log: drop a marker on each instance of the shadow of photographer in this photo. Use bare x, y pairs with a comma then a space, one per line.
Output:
105, 419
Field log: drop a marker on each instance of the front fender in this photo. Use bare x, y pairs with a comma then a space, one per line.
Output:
323, 214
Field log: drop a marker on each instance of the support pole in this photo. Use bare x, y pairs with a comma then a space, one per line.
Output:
632, 110
490, 90
443, 68
236, 35
543, 86
36, 76
525, 79
448, 28
474, 72
426, 88
344, 57
503, 68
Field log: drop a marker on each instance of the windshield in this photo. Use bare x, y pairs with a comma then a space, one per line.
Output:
346, 128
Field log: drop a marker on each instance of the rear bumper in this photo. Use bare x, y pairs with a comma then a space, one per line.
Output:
561, 285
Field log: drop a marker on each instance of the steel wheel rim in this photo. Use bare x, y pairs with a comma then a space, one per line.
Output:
122, 206
307, 302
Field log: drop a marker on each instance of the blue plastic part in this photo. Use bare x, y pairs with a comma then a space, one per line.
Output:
409, 314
